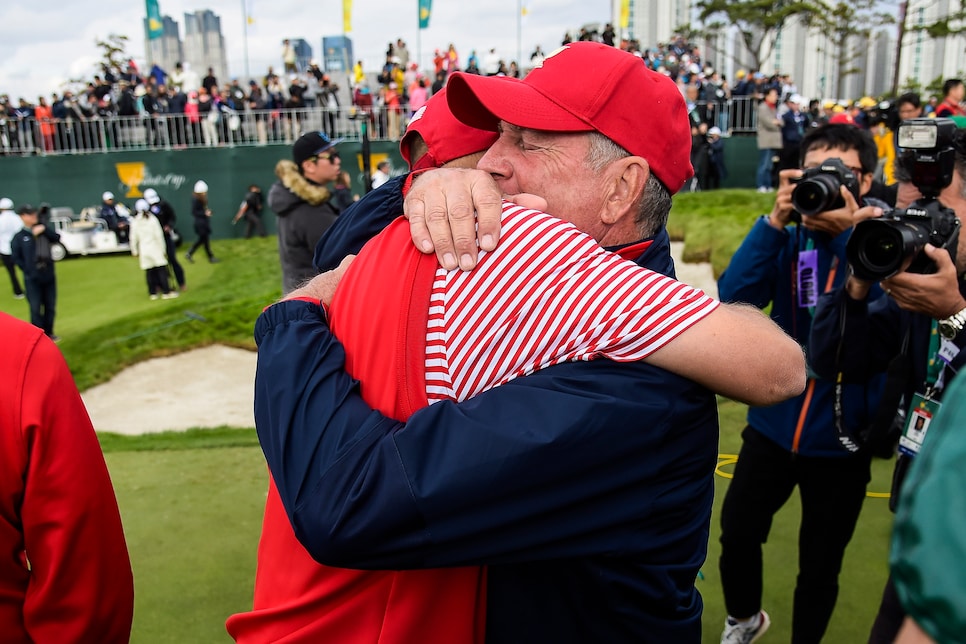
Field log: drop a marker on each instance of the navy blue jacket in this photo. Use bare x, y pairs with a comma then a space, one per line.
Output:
23, 249
762, 272
874, 332
359, 223
861, 338
585, 487
793, 127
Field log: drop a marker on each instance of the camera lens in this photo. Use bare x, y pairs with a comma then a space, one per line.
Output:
881, 251
880, 248
817, 194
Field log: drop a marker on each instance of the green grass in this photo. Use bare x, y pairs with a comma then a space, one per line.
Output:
107, 321
207, 438
864, 570
712, 224
192, 502
192, 519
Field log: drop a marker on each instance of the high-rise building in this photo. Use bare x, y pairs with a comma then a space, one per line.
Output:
303, 53
925, 59
650, 21
204, 46
165, 50
809, 55
337, 51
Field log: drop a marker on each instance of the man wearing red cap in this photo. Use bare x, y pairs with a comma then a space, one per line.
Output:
296, 598
586, 488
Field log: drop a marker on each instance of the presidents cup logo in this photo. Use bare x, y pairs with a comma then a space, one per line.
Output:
136, 175
131, 175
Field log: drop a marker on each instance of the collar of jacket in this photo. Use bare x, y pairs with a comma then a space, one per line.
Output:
288, 173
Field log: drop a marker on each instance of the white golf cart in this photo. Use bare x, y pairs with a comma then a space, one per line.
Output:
86, 235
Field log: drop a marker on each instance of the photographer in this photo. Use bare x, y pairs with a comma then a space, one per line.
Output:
917, 332
795, 442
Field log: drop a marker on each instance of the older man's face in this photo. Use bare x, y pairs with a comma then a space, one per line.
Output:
954, 196
552, 165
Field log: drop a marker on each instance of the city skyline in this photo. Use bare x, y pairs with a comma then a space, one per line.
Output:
47, 45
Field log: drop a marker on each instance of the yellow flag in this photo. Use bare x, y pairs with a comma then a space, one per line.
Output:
625, 13
346, 16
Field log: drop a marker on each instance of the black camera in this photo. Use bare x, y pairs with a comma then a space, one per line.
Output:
882, 247
819, 189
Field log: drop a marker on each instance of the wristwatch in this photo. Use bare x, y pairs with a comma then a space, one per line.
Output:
950, 327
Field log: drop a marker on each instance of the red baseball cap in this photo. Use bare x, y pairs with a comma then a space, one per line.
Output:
446, 138
585, 87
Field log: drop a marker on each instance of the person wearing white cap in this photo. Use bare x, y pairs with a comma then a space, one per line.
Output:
116, 222
716, 167
202, 216
10, 225
147, 244
794, 125
167, 217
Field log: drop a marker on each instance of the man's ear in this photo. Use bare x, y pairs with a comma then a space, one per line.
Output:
866, 183
624, 186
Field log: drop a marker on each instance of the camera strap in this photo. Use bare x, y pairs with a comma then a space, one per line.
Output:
880, 435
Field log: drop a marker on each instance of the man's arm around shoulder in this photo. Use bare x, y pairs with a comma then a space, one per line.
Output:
738, 352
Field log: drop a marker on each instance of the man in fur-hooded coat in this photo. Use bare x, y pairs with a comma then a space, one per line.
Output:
303, 203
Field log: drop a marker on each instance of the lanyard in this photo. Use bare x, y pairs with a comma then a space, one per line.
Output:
935, 366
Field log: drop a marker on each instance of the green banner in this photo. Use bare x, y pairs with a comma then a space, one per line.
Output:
155, 25
425, 8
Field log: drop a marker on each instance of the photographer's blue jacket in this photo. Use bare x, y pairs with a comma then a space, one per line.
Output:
762, 272
585, 488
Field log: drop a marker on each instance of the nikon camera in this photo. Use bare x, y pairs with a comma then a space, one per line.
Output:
882, 247
819, 189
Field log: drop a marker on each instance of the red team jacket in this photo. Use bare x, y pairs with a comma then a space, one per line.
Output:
300, 600
65, 575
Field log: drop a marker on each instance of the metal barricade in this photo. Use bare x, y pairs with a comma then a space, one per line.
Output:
230, 128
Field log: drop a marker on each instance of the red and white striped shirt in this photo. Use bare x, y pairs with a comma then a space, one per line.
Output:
548, 294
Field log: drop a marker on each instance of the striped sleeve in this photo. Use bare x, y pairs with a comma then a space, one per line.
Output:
548, 294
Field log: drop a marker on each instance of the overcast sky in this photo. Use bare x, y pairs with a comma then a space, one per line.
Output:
44, 43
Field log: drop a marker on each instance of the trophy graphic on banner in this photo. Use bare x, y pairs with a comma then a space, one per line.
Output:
131, 175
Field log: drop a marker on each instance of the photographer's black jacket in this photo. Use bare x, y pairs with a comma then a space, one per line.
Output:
872, 334
23, 248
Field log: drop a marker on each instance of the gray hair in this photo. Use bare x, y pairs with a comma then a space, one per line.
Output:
655, 205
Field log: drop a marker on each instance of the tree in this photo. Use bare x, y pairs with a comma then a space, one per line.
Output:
848, 25
113, 54
954, 22
113, 57
758, 21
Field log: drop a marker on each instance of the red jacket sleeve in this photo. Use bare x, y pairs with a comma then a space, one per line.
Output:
65, 573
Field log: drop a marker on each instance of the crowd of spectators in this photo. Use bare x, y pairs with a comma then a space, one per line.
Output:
176, 109
128, 108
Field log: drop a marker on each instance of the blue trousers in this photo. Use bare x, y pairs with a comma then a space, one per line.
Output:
765, 162
42, 298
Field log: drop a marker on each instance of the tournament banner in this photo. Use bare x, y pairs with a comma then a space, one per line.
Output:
425, 8
155, 26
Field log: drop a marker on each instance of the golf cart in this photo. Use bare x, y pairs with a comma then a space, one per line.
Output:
86, 235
